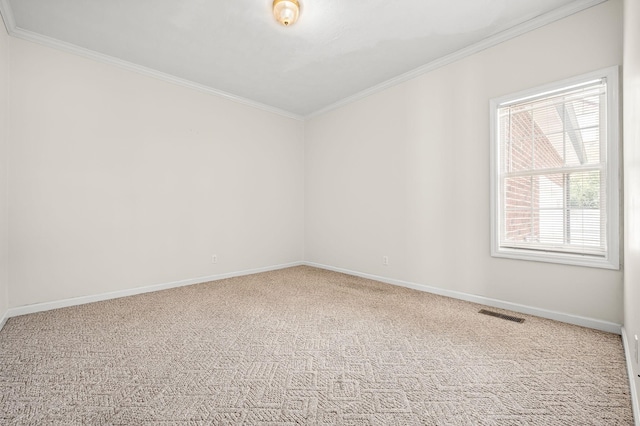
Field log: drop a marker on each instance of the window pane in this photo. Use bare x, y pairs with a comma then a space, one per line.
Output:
584, 190
534, 208
549, 151
554, 210
586, 221
584, 227
518, 146
548, 117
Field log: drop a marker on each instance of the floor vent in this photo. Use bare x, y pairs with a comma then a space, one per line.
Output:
503, 316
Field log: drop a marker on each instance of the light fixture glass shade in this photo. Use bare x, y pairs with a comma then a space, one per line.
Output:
286, 11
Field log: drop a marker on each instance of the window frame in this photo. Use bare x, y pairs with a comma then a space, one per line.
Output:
611, 260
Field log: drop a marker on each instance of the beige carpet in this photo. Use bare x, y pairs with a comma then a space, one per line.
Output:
305, 346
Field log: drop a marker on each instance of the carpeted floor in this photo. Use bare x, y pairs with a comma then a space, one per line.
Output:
305, 346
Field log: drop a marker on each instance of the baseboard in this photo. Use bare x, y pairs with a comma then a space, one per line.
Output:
4, 319
632, 378
530, 310
558, 316
46, 306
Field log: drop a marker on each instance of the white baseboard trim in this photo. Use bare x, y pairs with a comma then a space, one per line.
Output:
544, 313
46, 306
4, 319
530, 310
632, 378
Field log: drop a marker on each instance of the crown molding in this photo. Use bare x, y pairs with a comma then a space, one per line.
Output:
77, 50
525, 27
13, 30
7, 15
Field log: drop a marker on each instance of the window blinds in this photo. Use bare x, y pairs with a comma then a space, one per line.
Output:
552, 171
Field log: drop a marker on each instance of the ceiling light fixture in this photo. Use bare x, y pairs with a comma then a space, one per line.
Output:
286, 11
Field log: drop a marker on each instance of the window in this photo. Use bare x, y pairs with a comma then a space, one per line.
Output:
554, 170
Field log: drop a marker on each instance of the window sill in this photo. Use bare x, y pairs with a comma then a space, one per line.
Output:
561, 258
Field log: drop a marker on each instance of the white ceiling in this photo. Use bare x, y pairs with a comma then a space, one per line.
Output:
338, 51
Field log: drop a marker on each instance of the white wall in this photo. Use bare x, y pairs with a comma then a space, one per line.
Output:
405, 173
631, 84
118, 180
4, 118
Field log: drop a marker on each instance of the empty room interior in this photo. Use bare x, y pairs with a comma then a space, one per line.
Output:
320, 212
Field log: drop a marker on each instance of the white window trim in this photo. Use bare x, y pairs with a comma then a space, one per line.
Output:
612, 258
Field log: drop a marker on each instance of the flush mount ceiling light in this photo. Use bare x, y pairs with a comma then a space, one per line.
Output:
286, 11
